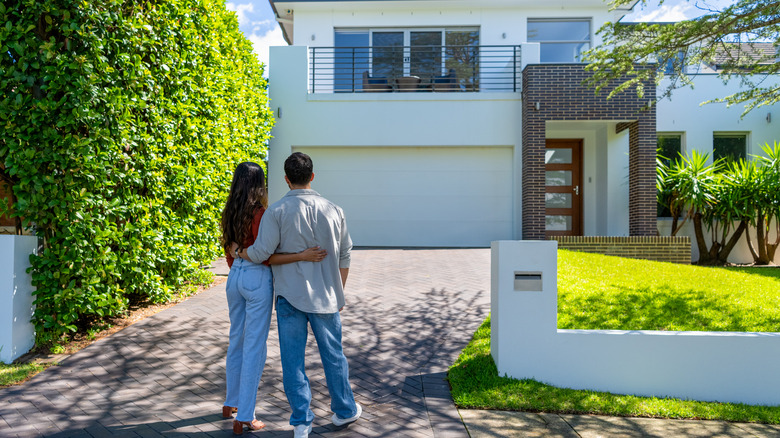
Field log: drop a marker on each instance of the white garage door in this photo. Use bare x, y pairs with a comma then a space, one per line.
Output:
426, 196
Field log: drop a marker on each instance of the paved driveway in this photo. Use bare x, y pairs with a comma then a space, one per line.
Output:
408, 315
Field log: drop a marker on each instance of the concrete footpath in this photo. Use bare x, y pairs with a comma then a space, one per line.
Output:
494, 424
409, 313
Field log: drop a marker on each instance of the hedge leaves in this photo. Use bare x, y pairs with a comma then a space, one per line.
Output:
122, 122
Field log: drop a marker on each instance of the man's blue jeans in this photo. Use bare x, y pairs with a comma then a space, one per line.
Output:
293, 332
250, 299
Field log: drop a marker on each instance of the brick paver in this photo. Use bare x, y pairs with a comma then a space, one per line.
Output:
408, 315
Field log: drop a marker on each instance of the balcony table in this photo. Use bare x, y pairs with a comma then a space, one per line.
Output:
407, 83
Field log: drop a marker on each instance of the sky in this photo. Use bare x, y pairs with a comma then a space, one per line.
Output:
256, 18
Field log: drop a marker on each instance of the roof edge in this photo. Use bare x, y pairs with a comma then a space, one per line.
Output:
276, 17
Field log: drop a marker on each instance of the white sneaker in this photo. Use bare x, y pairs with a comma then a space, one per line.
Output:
338, 421
302, 431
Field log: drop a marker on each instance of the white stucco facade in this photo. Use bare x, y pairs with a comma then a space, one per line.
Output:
17, 333
445, 169
437, 157
500, 21
687, 114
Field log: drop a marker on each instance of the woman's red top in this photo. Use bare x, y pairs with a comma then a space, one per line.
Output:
249, 240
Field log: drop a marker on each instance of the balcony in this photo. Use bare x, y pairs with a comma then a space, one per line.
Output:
425, 69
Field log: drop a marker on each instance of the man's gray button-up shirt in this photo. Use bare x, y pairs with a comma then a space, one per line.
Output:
300, 220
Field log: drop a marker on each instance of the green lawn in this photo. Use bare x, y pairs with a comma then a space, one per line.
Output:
612, 293
599, 292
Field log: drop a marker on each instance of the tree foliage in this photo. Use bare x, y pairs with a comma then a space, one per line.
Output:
694, 189
727, 37
121, 123
725, 200
767, 207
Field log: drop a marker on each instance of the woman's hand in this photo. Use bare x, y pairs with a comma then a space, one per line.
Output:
313, 254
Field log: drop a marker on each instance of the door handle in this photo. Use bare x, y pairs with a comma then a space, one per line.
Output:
577, 190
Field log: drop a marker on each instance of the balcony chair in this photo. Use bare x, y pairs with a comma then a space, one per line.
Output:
448, 82
376, 83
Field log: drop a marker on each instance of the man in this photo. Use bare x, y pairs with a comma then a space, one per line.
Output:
308, 293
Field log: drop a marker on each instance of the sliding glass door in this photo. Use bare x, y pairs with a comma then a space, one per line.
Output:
388, 54
432, 55
425, 53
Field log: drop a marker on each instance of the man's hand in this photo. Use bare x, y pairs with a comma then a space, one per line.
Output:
313, 254
233, 248
344, 272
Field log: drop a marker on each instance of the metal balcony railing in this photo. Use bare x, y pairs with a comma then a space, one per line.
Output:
414, 69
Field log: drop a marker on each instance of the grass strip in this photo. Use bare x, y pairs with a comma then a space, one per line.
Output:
476, 384
16, 373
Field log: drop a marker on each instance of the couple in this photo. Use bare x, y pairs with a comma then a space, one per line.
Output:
304, 238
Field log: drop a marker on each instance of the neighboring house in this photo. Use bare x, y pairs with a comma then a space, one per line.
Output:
733, 56
459, 122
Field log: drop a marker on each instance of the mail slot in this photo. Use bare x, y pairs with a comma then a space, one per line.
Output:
528, 281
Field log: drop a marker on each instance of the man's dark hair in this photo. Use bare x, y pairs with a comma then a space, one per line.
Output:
298, 168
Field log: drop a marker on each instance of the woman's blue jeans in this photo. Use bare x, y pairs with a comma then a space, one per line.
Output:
293, 332
250, 302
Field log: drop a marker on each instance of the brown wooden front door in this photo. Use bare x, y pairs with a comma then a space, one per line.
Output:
563, 187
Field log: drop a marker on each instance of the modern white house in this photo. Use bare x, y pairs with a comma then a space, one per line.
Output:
444, 123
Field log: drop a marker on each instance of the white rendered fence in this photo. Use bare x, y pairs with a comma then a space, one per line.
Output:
17, 334
526, 343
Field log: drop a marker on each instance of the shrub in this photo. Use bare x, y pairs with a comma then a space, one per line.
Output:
122, 122
719, 195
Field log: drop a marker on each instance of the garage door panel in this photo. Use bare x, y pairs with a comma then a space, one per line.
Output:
424, 159
453, 209
424, 233
430, 196
365, 183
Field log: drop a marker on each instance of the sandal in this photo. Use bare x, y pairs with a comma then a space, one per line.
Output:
238, 426
228, 411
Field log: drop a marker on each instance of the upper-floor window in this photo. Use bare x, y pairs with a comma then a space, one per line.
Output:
560, 40
669, 64
731, 147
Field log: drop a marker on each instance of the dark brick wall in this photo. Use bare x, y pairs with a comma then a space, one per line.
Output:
561, 96
660, 248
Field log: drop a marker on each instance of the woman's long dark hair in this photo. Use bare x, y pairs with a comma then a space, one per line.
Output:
247, 194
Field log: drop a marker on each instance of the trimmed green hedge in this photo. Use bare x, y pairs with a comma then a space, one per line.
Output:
122, 121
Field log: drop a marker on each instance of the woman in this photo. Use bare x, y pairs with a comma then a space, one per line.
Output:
249, 294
